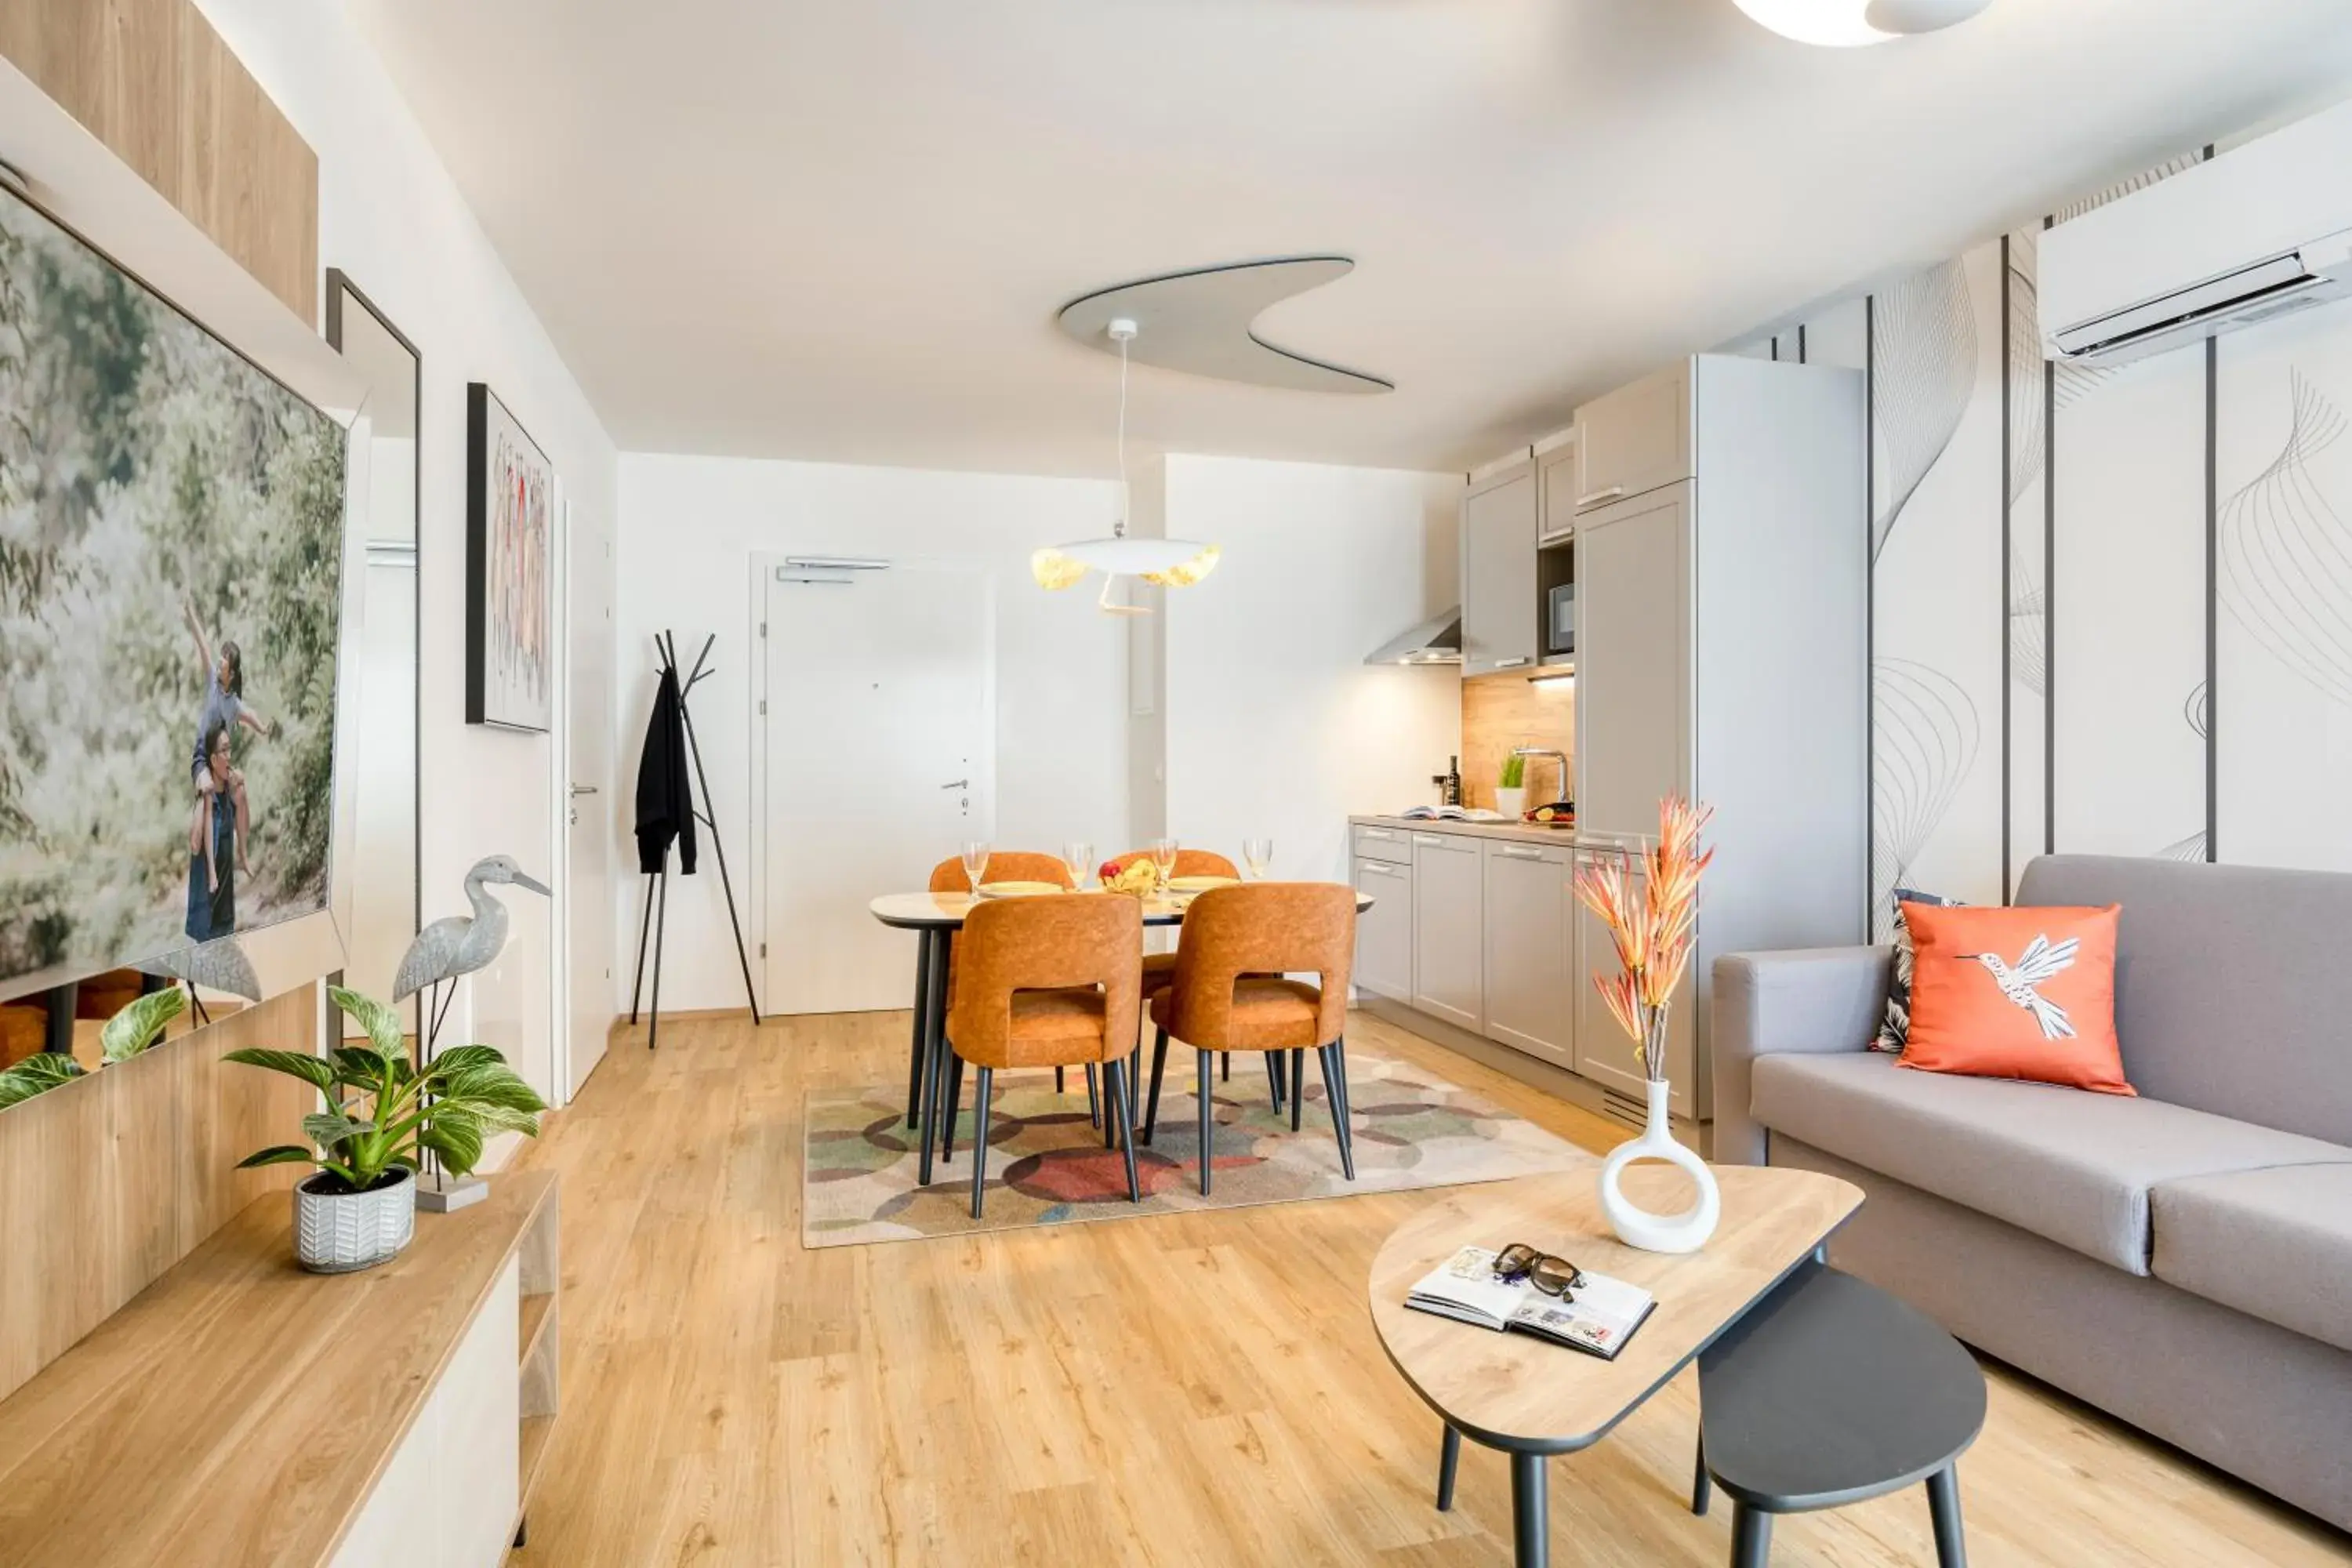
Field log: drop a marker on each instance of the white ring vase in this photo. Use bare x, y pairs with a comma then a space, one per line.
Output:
1637, 1226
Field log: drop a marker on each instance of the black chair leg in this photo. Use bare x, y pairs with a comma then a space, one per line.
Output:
1133, 1078
1449, 1461
1274, 1078
1061, 1085
1944, 1510
955, 1108
1347, 1094
1202, 1092
1159, 1066
1702, 1484
1226, 1074
1122, 1094
979, 1139
1298, 1086
1330, 1055
1110, 1090
1751, 1537
1093, 1105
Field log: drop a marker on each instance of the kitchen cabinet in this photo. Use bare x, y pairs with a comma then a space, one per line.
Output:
1530, 942
1556, 493
1722, 655
1449, 978
1384, 933
1636, 439
1501, 623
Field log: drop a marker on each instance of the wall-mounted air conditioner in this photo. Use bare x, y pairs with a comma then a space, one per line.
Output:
2260, 231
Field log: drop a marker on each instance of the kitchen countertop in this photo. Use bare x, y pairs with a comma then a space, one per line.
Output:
1524, 832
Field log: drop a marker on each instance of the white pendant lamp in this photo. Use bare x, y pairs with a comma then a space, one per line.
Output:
1843, 23
1170, 563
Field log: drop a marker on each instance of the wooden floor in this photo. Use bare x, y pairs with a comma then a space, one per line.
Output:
1180, 1389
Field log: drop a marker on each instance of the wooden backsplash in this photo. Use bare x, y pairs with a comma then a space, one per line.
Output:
1501, 713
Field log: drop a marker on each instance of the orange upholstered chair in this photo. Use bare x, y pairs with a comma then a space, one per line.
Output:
1226, 995
1004, 865
1046, 983
1160, 968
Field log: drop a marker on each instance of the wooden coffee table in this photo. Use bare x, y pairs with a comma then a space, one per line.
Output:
1531, 1399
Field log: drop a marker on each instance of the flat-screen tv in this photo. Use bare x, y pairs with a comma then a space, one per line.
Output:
172, 528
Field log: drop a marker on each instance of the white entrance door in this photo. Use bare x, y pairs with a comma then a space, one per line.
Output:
880, 754
590, 817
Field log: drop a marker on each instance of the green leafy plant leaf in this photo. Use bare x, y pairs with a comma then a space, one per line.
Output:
282, 1154
329, 1128
458, 1058
317, 1071
37, 1074
455, 1135
141, 1023
382, 1022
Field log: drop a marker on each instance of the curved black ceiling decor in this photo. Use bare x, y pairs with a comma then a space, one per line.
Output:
1202, 322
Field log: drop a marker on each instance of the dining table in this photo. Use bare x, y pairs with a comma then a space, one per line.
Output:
935, 918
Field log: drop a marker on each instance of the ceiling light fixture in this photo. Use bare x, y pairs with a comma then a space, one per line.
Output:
1170, 563
1843, 23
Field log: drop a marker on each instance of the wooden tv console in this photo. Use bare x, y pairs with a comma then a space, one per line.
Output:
240, 1411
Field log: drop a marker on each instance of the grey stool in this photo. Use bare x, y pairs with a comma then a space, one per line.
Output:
1831, 1392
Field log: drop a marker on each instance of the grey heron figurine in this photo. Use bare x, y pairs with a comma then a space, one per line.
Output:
460, 945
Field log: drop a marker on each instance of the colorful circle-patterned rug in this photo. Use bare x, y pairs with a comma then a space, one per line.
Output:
1047, 1166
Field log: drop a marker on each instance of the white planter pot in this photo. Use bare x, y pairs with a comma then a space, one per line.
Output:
341, 1233
1511, 803
1683, 1231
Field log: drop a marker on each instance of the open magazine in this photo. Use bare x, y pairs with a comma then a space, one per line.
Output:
1598, 1322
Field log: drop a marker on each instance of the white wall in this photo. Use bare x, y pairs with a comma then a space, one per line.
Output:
391, 217
689, 529
1276, 726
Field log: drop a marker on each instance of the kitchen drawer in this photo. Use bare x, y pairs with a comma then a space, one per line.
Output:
1384, 931
1384, 843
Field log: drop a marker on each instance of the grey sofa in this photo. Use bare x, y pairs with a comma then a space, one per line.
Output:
2183, 1259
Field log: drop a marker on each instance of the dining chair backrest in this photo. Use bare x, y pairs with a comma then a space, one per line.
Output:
1046, 944
1004, 865
1190, 863
1263, 928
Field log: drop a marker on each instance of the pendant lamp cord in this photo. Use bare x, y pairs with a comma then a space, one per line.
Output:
1122, 439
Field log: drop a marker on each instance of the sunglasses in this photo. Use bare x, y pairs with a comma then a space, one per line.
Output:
1553, 1276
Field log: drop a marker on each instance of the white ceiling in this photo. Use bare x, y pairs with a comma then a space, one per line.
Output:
840, 229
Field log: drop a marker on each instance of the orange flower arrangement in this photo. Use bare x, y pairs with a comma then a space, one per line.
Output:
1653, 927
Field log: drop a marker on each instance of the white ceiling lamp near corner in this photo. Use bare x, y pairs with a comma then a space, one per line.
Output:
1845, 23
1170, 563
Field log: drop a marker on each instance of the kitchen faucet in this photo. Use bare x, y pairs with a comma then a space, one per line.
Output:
1559, 757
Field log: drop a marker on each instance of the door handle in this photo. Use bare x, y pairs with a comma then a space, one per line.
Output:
960, 783
1611, 493
583, 789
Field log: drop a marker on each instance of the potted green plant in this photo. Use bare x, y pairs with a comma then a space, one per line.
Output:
1511, 794
358, 1208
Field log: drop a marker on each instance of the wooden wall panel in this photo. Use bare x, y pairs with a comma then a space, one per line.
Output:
110, 1180
153, 81
1505, 710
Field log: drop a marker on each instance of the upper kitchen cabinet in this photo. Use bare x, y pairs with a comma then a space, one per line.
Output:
1722, 652
1636, 439
1556, 487
1500, 618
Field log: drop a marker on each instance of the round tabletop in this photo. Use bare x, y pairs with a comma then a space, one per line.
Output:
1833, 1390
946, 911
1519, 1392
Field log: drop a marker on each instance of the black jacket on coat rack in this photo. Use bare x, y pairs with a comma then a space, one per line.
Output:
664, 802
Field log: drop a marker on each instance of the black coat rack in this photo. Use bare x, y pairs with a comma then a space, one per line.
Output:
657, 882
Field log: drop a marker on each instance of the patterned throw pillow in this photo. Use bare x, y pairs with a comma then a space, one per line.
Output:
2021, 993
1895, 1029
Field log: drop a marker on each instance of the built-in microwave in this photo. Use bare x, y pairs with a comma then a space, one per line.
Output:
1559, 622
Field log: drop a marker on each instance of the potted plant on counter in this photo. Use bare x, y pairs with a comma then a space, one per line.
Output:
1511, 793
358, 1208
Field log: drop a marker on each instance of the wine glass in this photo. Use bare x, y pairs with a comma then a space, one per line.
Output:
1163, 855
1258, 855
1080, 856
975, 861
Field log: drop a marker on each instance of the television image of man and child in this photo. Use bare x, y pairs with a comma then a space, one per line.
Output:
221, 824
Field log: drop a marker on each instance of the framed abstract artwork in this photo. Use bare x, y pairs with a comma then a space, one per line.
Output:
510, 555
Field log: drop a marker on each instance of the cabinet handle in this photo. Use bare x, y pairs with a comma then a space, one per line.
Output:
1432, 839
1509, 853
1611, 493
1380, 833
1513, 662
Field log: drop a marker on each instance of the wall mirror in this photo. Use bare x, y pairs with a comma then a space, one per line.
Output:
382, 752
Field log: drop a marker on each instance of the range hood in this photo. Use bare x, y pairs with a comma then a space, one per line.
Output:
1437, 640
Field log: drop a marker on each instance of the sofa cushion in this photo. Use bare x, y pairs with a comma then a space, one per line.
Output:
2073, 1167
2276, 1244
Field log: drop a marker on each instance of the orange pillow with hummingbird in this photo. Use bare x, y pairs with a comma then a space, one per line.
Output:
2016, 993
